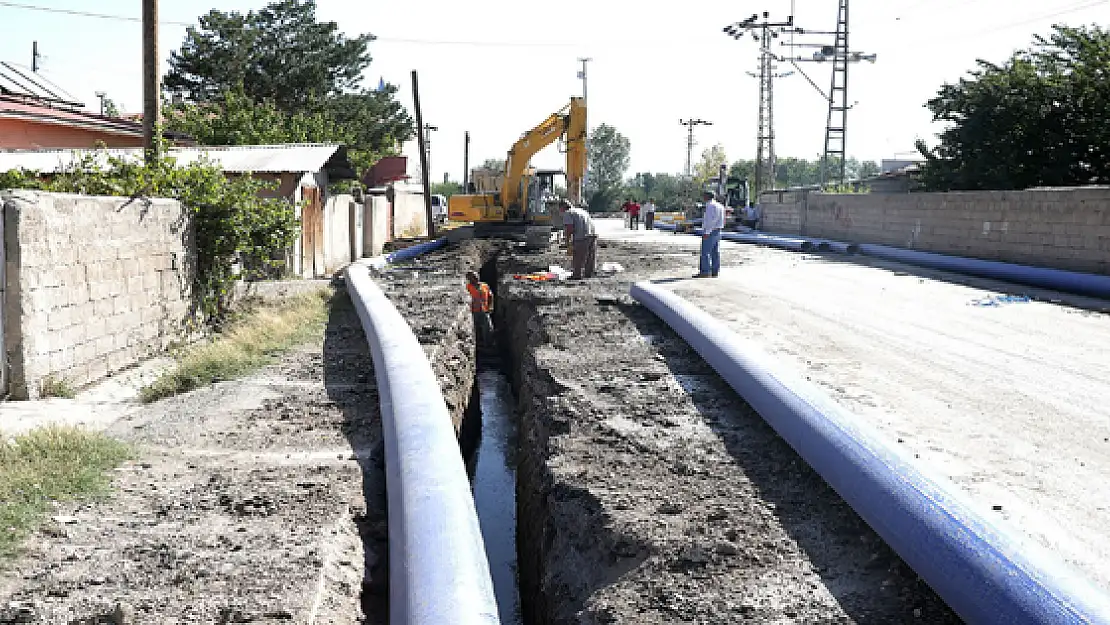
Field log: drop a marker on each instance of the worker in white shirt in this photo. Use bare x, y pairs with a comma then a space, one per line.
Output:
713, 221
649, 213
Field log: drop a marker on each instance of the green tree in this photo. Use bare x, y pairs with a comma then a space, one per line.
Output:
609, 159
280, 54
710, 163
743, 169
446, 189
371, 125
1042, 118
277, 75
110, 108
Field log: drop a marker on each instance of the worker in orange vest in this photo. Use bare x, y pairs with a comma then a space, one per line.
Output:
481, 304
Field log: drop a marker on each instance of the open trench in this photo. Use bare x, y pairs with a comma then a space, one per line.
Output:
617, 478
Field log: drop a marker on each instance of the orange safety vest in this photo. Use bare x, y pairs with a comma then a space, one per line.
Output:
481, 299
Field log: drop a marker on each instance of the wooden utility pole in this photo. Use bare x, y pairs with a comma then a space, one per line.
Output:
423, 156
35, 56
152, 79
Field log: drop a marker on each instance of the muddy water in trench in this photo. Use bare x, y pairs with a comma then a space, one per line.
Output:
493, 479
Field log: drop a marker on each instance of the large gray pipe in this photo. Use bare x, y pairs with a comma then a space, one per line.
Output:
438, 571
982, 570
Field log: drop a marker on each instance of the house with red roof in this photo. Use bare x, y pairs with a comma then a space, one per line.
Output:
36, 114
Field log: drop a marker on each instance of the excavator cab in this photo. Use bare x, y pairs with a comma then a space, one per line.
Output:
521, 202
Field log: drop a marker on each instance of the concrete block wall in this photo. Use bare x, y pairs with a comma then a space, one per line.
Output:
93, 285
1060, 228
783, 211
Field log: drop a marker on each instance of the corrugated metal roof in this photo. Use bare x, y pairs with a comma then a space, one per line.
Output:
19, 81
298, 157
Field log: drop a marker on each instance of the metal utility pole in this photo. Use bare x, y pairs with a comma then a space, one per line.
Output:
35, 56
763, 32
423, 156
101, 95
428, 128
690, 123
836, 126
152, 79
466, 163
586, 101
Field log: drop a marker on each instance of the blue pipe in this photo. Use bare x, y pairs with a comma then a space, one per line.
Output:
416, 250
438, 571
786, 243
1055, 279
985, 573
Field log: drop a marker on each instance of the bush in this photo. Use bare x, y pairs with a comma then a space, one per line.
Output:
231, 222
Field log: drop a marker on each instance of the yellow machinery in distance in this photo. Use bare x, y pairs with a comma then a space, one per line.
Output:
523, 204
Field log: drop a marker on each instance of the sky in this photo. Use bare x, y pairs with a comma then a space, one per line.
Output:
497, 68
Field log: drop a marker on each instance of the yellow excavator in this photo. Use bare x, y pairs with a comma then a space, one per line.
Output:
521, 203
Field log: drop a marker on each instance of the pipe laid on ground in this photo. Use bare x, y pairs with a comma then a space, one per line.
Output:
415, 250
786, 243
983, 571
1055, 279
438, 571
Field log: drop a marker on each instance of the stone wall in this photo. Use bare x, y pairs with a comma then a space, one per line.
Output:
93, 285
1059, 228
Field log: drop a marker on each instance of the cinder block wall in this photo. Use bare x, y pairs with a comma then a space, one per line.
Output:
1059, 228
94, 284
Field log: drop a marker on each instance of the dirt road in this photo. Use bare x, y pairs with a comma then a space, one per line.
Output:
1009, 398
247, 503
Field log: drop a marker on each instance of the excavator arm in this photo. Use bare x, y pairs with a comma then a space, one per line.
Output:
570, 121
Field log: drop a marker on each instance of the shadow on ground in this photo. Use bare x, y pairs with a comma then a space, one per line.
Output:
869, 580
349, 380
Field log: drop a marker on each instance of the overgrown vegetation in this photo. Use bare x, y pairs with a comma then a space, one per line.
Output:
56, 387
231, 223
1042, 118
248, 342
50, 465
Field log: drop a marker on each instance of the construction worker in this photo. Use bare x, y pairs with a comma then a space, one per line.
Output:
649, 213
481, 304
581, 240
713, 221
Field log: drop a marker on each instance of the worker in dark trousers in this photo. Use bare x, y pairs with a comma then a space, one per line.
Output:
481, 305
581, 238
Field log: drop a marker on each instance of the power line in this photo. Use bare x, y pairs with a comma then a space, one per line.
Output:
1075, 8
103, 16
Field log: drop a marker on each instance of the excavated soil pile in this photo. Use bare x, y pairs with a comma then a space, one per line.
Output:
649, 492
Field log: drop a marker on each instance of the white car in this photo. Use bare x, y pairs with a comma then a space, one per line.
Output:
439, 208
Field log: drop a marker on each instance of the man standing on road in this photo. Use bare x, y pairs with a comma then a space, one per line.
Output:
481, 304
712, 223
649, 214
581, 240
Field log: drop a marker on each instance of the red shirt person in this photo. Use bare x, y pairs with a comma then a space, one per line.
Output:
633, 209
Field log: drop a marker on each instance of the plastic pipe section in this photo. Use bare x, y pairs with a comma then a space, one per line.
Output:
984, 573
786, 243
1055, 279
438, 572
416, 250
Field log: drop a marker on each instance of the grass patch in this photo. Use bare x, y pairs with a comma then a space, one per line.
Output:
56, 387
250, 341
46, 465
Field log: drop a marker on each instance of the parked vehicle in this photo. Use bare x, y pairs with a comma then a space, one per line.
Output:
439, 209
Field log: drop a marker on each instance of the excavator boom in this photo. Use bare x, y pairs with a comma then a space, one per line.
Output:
511, 202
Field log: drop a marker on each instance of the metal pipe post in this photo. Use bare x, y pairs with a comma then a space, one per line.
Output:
423, 156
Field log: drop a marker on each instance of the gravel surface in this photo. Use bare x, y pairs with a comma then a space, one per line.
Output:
1007, 397
649, 492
